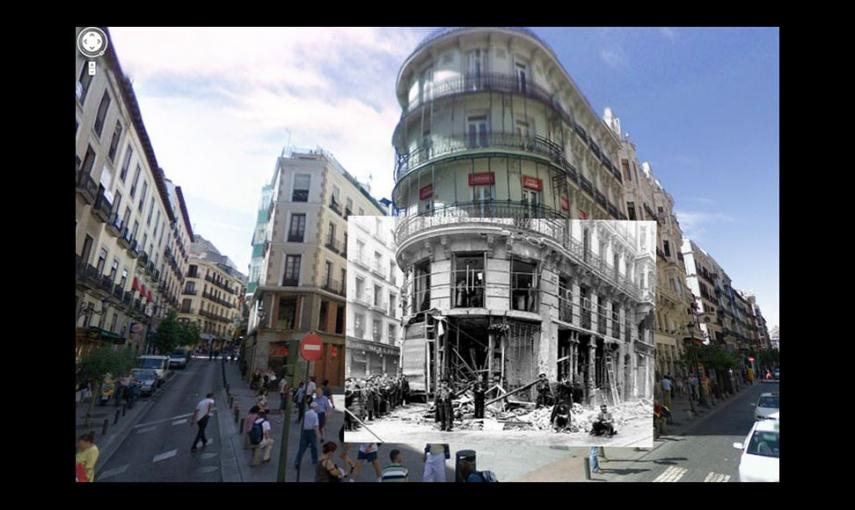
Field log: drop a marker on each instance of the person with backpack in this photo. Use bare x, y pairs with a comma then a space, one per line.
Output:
247, 425
470, 474
259, 435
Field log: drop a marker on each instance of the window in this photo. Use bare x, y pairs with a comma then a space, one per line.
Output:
193, 271
378, 295
292, 271
328, 269
324, 315
136, 229
468, 280
83, 83
521, 76
359, 325
136, 178
288, 312
88, 160
425, 81
625, 166
360, 250
348, 209
102, 113
114, 270
630, 208
476, 66
331, 236
360, 289
142, 197
124, 279
377, 331
339, 320
301, 188
477, 131
114, 143
378, 262
392, 334
392, 272
150, 212
102, 259
117, 202
297, 229
667, 249
524, 286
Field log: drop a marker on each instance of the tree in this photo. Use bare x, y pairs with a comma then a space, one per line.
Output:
97, 365
168, 335
189, 333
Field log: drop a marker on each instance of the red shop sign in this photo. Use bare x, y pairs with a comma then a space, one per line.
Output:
333, 351
482, 179
426, 192
565, 203
279, 350
582, 214
532, 183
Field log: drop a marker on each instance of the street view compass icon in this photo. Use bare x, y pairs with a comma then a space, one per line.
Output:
92, 42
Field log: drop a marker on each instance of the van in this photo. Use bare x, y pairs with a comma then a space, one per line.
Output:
159, 364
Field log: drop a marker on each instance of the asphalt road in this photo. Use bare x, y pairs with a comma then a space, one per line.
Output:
158, 448
704, 453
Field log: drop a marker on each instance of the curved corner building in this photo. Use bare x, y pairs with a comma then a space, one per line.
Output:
496, 152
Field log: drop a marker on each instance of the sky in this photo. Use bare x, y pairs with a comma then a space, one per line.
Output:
700, 104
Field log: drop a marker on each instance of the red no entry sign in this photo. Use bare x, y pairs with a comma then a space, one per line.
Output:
311, 347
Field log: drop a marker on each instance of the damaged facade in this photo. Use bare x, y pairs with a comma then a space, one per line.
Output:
497, 150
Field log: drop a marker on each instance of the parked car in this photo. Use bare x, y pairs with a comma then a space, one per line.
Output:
159, 364
767, 405
147, 379
760, 452
178, 359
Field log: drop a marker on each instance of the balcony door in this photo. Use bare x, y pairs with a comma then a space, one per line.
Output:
522, 77
476, 128
475, 69
426, 85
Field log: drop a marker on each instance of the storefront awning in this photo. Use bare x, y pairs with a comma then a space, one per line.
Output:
95, 333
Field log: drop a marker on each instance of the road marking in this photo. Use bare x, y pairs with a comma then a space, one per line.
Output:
179, 422
672, 474
717, 477
113, 472
164, 456
173, 418
147, 429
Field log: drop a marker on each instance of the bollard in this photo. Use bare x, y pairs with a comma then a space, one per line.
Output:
115, 421
231, 401
587, 468
237, 415
104, 428
124, 409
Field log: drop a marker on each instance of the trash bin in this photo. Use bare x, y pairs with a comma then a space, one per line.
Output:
462, 454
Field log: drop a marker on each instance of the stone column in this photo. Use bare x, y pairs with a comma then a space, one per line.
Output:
592, 367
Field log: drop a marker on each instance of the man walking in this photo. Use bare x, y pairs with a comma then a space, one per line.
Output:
478, 393
542, 388
204, 410
593, 460
261, 429
300, 398
444, 407
283, 394
666, 391
310, 436
395, 472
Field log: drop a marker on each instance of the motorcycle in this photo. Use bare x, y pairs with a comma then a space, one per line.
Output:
108, 389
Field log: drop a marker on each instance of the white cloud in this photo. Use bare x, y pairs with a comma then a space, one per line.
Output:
693, 223
218, 104
613, 58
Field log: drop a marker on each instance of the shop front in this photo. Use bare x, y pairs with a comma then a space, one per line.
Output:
366, 358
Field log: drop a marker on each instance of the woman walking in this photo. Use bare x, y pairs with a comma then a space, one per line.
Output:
87, 457
326, 470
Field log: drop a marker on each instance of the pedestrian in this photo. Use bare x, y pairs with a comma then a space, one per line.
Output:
345, 449
368, 452
327, 470
309, 436
666, 391
247, 425
592, 457
323, 406
283, 394
470, 474
405, 389
395, 472
201, 415
445, 407
87, 457
312, 386
326, 387
435, 456
259, 435
478, 393
604, 423
261, 400
300, 400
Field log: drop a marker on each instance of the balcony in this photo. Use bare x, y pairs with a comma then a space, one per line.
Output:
335, 206
565, 308
335, 287
586, 185
127, 298
379, 306
378, 271
125, 237
143, 258
114, 225
134, 250
335, 245
290, 282
189, 292
102, 208
87, 187
437, 147
613, 211
600, 199
118, 292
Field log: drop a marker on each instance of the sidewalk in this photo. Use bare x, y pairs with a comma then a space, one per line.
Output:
681, 412
236, 460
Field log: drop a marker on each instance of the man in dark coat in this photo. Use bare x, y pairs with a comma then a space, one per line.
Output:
478, 392
445, 408
405, 389
542, 388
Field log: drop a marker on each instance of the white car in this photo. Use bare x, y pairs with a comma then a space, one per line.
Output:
766, 406
760, 452
160, 364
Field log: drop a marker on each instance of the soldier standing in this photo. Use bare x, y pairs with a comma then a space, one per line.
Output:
445, 407
405, 389
542, 388
478, 393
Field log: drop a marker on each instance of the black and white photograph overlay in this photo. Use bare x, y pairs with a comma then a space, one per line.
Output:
465, 326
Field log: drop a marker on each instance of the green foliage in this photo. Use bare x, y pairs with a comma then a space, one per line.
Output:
189, 333
168, 335
711, 356
95, 366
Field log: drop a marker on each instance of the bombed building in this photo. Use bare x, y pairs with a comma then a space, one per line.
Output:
505, 299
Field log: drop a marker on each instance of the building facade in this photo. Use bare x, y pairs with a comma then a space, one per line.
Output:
213, 295
775, 338
373, 298
301, 286
259, 238
131, 224
647, 199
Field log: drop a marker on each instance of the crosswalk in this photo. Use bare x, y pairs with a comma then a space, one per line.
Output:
676, 473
